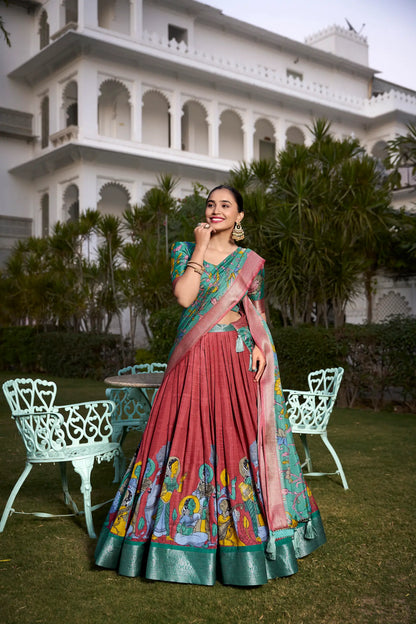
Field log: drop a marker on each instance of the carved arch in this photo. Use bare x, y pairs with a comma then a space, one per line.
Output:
295, 135
389, 304
194, 127
264, 139
114, 109
160, 92
231, 135
113, 198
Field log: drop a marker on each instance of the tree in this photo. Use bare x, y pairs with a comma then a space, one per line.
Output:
3, 30
319, 216
402, 154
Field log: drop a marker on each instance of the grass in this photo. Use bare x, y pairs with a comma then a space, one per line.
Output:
364, 574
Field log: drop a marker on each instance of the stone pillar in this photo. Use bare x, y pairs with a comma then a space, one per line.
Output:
87, 185
88, 93
248, 132
87, 13
175, 122
136, 112
54, 109
213, 131
280, 134
136, 19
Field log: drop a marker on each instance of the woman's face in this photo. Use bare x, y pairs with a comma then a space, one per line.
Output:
221, 211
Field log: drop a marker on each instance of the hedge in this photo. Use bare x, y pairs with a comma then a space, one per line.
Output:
63, 354
379, 360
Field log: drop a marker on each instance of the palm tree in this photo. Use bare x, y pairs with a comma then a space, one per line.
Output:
402, 154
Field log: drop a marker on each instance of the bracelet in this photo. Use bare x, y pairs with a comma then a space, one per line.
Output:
192, 265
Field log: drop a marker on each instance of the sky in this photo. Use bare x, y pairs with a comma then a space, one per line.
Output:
388, 25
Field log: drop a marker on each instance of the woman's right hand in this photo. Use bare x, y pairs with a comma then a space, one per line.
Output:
202, 234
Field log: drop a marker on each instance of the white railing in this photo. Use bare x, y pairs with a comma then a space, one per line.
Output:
374, 106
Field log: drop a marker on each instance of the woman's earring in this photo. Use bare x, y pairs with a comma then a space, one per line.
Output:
238, 232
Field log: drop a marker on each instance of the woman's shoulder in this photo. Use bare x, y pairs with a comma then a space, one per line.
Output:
182, 247
250, 252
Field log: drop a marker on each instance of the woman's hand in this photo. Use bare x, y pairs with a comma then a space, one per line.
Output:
259, 362
202, 234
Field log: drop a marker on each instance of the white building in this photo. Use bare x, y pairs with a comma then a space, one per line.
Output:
98, 97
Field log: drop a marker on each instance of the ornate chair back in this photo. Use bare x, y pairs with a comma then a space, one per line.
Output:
309, 413
80, 433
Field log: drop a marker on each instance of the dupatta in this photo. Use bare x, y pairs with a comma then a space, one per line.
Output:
231, 286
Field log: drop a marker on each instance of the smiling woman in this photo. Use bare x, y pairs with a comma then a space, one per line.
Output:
215, 487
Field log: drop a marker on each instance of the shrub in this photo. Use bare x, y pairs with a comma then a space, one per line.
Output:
301, 350
163, 325
64, 354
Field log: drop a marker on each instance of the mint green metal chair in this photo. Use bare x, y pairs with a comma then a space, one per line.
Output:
309, 413
132, 409
79, 433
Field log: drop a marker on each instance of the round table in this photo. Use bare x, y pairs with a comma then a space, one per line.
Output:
139, 380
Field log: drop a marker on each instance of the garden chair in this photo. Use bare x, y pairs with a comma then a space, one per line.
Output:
79, 433
309, 414
132, 409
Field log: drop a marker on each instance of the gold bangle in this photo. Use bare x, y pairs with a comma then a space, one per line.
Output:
191, 262
197, 270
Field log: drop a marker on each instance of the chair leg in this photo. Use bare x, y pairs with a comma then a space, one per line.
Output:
83, 467
308, 461
331, 449
67, 496
120, 459
13, 495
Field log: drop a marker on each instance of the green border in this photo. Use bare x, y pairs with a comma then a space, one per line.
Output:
243, 566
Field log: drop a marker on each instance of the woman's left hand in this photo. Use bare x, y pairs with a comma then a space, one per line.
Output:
259, 362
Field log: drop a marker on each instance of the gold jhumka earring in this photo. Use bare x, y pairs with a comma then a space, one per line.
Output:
238, 232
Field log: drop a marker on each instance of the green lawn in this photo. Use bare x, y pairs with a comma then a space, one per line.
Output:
363, 575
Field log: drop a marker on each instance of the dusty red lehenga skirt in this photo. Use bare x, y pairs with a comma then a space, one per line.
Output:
189, 508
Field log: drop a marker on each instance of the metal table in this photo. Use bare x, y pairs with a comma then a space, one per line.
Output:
139, 380
133, 396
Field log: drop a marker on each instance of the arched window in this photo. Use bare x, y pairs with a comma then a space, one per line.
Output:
294, 135
70, 104
264, 147
231, 139
155, 119
114, 110
44, 207
71, 11
44, 116
389, 304
194, 128
43, 30
114, 199
379, 150
71, 203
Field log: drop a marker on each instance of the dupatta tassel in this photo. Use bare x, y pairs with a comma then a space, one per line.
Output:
239, 347
271, 546
244, 338
310, 531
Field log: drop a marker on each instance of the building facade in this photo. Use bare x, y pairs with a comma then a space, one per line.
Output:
99, 97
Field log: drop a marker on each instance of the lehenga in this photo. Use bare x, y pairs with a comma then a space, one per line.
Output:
215, 489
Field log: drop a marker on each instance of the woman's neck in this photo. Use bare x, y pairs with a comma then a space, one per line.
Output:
221, 242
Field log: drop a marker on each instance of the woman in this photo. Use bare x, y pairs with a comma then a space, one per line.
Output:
215, 489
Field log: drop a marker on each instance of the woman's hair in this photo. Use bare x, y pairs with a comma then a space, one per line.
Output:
236, 194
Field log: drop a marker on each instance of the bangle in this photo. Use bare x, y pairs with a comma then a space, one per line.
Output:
199, 271
193, 265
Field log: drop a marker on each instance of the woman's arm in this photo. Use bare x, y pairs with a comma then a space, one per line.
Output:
186, 287
259, 361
